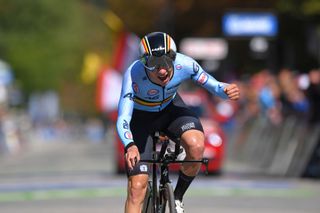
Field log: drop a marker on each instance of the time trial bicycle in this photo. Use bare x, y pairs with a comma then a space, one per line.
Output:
159, 196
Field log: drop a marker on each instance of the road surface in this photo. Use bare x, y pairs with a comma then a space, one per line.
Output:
77, 177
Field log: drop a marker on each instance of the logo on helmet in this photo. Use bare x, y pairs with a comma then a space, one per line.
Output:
156, 43
158, 49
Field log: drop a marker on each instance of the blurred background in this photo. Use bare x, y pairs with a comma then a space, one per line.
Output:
61, 65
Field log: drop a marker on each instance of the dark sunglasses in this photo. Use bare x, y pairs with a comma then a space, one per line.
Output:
155, 62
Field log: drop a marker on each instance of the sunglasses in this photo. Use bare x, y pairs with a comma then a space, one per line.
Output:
155, 63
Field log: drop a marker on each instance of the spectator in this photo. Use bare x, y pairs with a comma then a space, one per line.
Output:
313, 93
293, 99
269, 99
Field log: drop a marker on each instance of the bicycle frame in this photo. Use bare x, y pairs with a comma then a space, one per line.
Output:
164, 161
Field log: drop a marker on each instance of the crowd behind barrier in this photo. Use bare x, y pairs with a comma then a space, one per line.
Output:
277, 125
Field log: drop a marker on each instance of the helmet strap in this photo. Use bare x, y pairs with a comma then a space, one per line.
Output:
172, 54
143, 59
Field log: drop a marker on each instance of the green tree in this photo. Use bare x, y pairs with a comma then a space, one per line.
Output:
45, 41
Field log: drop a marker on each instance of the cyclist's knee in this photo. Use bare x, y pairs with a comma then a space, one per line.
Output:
137, 189
196, 151
193, 141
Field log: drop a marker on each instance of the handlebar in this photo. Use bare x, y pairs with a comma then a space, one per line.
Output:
204, 161
162, 158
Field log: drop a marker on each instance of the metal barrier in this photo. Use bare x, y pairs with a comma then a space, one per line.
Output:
283, 150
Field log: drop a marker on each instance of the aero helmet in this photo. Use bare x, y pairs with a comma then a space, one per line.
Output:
157, 50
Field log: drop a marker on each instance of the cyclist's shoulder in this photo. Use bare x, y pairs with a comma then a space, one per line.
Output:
136, 66
186, 63
135, 69
182, 58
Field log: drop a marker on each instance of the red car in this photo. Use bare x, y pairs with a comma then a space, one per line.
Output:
214, 135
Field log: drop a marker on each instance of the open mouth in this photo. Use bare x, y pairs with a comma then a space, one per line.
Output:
163, 77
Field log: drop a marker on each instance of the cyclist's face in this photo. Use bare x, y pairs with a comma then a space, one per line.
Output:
162, 69
161, 76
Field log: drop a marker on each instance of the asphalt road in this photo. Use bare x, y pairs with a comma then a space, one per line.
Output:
77, 176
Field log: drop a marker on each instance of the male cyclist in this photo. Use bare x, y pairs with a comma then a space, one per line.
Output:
149, 102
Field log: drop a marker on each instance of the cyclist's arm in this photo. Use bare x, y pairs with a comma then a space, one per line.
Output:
208, 82
125, 109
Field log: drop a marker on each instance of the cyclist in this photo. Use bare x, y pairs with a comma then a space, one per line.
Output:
149, 102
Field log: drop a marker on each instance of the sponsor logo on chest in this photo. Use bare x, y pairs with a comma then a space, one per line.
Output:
178, 66
153, 92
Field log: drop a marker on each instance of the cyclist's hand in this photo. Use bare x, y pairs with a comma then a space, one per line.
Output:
232, 91
132, 156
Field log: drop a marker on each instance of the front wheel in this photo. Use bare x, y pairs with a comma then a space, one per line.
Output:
167, 204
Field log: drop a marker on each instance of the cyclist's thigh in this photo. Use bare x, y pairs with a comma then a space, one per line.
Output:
182, 119
141, 128
143, 140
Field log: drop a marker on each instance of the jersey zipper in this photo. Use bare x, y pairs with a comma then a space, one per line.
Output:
163, 98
